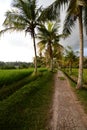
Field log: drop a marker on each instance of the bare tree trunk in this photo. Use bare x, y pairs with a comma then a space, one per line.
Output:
35, 64
80, 73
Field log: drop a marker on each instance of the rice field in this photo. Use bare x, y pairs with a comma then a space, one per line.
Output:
25, 100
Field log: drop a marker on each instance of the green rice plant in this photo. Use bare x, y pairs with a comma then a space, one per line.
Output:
10, 89
10, 76
28, 108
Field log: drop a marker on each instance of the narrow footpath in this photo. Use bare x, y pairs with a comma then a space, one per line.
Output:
67, 113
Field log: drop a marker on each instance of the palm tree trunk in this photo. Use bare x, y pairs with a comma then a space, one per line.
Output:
80, 73
35, 64
51, 56
51, 64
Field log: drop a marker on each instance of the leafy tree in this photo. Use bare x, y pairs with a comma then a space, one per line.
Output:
77, 10
24, 16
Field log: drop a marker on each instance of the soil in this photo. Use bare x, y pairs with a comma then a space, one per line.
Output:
67, 112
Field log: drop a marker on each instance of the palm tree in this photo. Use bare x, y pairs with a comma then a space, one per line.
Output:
71, 57
57, 53
24, 16
48, 35
77, 10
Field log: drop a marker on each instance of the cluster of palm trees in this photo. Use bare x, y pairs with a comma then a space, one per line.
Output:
26, 15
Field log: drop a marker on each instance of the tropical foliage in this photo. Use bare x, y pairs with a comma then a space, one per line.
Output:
76, 9
49, 39
71, 58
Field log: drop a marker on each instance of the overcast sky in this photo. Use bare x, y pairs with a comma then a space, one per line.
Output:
16, 47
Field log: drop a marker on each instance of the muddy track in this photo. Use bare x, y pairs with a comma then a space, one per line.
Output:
67, 113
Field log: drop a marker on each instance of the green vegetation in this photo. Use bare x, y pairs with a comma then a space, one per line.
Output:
49, 41
7, 90
82, 93
74, 74
61, 78
27, 108
10, 76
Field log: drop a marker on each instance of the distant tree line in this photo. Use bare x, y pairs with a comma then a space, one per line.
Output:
15, 65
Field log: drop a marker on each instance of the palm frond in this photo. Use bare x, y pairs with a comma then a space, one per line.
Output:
38, 13
85, 18
27, 8
43, 41
10, 29
41, 45
13, 16
69, 23
73, 7
52, 12
82, 3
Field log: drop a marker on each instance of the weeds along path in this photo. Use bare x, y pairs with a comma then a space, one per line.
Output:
67, 113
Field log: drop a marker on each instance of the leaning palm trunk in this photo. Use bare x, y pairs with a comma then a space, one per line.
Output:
80, 73
35, 62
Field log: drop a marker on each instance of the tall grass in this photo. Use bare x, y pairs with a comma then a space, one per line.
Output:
28, 107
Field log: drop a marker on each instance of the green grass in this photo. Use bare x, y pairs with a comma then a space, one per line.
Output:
10, 89
82, 93
28, 107
61, 78
74, 74
10, 76
85, 76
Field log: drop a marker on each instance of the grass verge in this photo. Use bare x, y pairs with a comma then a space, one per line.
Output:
81, 93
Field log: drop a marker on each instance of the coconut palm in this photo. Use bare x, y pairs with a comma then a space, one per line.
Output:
77, 10
24, 16
57, 53
48, 35
71, 58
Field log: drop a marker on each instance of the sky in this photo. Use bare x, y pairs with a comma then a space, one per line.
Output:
16, 46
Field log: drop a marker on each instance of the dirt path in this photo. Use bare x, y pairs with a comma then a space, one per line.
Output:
67, 113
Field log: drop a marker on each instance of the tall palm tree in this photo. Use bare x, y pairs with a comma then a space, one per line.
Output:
24, 16
77, 10
48, 35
